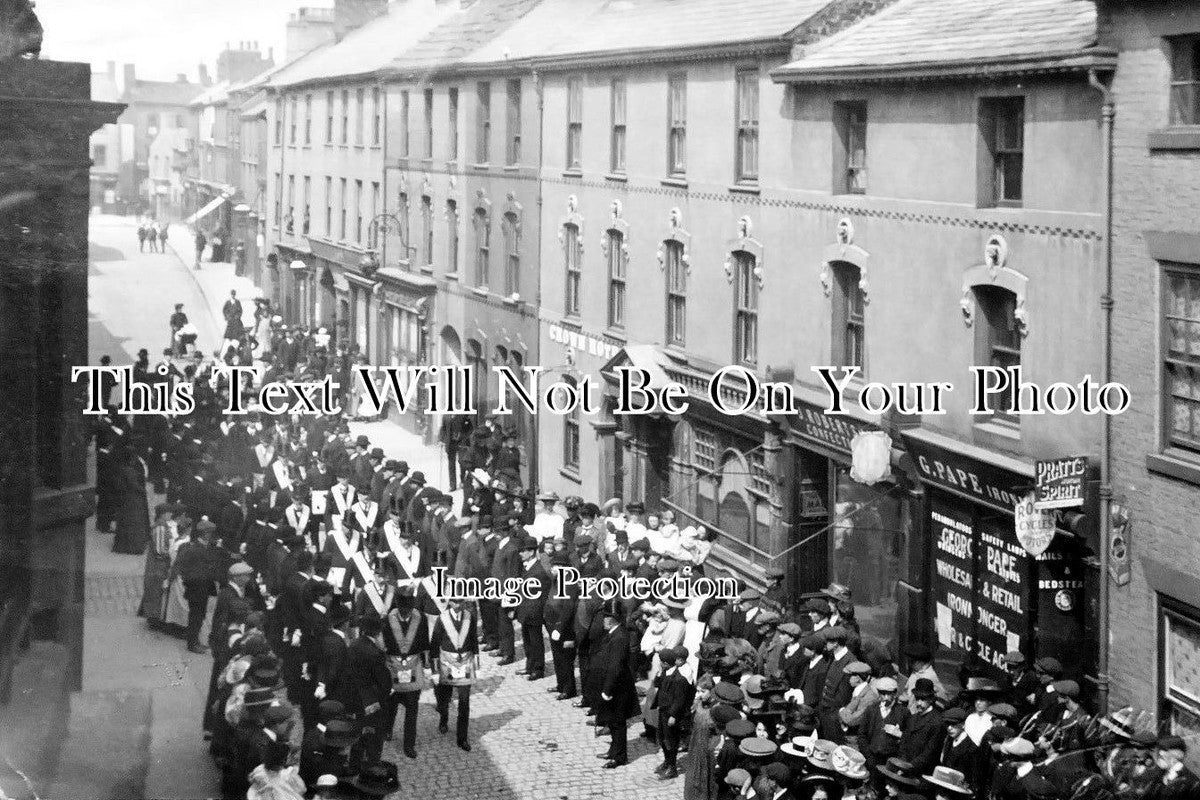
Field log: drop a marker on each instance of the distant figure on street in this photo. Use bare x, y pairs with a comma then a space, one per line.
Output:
233, 308
239, 258
200, 244
141, 237
178, 320
152, 236
162, 236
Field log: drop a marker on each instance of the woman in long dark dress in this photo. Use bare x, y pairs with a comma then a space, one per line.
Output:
158, 565
133, 511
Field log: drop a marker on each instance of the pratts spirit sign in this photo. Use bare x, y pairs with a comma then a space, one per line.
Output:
1059, 483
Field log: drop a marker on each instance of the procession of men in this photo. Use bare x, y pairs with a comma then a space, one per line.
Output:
327, 629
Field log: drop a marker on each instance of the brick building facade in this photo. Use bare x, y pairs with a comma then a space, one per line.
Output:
1155, 617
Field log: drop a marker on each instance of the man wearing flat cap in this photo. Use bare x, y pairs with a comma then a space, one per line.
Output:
958, 750
837, 689
776, 778
231, 608
1177, 781
881, 727
862, 697
673, 700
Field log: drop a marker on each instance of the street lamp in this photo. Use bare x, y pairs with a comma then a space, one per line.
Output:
381, 223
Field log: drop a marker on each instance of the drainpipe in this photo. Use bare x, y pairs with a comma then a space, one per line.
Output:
534, 455
1107, 115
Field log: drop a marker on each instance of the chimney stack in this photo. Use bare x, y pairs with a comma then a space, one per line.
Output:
130, 78
181, 77
202, 71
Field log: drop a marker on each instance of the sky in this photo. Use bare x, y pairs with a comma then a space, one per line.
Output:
161, 37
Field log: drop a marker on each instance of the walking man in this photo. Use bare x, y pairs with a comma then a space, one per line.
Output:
201, 242
455, 646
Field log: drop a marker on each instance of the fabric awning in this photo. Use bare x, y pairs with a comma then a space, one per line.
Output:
208, 209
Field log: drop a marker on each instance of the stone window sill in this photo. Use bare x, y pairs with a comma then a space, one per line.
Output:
745, 188
570, 474
1175, 464
617, 177
1182, 137
677, 183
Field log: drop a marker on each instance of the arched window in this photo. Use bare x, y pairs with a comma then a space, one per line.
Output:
676, 270
615, 248
573, 258
483, 246
998, 341
512, 254
849, 303
571, 433
745, 331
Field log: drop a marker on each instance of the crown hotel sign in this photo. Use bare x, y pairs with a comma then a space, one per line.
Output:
1059, 483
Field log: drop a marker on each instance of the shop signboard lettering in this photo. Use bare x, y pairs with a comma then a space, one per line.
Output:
1059, 482
828, 430
981, 585
1035, 527
992, 485
582, 343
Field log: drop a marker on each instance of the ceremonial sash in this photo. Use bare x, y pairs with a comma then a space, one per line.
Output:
404, 637
457, 637
318, 502
343, 502
297, 521
270, 498
410, 561
456, 669
366, 520
225, 426
431, 589
364, 571
281, 476
264, 454
347, 549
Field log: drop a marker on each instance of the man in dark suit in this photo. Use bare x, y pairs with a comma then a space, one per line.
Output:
328, 666
405, 636
288, 612
504, 565
380, 477
958, 751
617, 693
816, 665
451, 435
453, 642
837, 689
674, 703
559, 616
587, 612
923, 733
530, 611
881, 727
197, 565
231, 609
315, 622
369, 687
389, 498
360, 465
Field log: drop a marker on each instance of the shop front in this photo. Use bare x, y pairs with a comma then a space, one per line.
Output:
405, 308
1004, 575
854, 527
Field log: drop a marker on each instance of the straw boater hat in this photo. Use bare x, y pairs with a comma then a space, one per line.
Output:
899, 771
849, 763
949, 780
799, 746
822, 754
1120, 722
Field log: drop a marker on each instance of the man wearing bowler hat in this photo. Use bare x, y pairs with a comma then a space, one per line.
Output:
360, 465
922, 736
613, 674
530, 611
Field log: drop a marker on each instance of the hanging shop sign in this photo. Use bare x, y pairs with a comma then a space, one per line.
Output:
981, 583
871, 457
1119, 536
1059, 483
1034, 527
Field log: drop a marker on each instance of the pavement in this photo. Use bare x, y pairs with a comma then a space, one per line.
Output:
134, 730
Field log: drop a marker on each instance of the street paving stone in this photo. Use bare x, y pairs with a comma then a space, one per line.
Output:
525, 746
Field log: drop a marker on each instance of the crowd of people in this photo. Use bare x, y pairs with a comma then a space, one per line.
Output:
153, 234
320, 550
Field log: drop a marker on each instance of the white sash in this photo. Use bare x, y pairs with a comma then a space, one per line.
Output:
366, 520
364, 571
343, 502
281, 476
410, 562
297, 521
457, 637
431, 589
225, 426
318, 502
270, 498
347, 549
260, 452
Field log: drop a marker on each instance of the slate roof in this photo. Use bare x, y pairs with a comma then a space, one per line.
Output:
217, 93
558, 28
925, 34
367, 49
169, 93
463, 33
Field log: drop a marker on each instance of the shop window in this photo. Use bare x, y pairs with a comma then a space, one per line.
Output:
1181, 359
998, 342
1185, 80
1180, 657
849, 328
704, 450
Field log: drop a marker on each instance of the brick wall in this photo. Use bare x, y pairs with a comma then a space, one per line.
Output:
1154, 191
